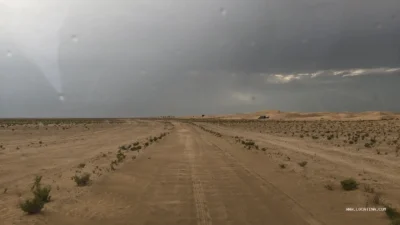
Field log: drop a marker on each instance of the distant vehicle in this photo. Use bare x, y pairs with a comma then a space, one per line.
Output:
263, 117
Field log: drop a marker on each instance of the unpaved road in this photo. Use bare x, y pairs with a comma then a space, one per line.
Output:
194, 177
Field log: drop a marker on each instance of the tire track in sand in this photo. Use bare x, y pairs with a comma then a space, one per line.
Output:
202, 211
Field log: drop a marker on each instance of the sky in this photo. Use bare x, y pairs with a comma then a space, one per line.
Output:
125, 58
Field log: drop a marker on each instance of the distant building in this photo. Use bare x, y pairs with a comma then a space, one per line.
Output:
263, 117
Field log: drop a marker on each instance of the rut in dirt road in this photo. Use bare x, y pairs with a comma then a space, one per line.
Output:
185, 180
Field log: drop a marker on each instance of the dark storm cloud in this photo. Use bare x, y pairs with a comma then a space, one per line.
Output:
136, 58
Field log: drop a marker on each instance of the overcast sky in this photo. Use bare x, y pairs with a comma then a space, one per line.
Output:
112, 58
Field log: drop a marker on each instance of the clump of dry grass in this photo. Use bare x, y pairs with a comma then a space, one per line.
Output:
377, 199
82, 180
368, 188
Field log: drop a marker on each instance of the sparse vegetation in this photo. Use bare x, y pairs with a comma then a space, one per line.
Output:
41, 196
32, 206
303, 163
82, 180
375, 138
392, 213
120, 156
362, 134
368, 188
349, 184
329, 187
377, 199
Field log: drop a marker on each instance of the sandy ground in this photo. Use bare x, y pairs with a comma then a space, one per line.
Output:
307, 116
198, 174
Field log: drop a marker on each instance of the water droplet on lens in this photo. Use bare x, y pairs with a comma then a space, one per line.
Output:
74, 38
223, 11
9, 54
61, 97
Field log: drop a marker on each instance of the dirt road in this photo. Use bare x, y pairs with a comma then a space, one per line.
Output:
187, 180
194, 177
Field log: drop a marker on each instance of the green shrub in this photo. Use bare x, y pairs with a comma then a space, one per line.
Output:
392, 213
349, 184
32, 206
303, 164
39, 192
82, 180
43, 194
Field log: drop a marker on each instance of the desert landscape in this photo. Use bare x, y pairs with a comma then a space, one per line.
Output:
293, 168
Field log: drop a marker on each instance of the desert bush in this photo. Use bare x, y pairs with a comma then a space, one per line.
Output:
392, 213
136, 148
329, 187
82, 180
123, 147
81, 165
42, 193
349, 184
303, 164
120, 156
32, 206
